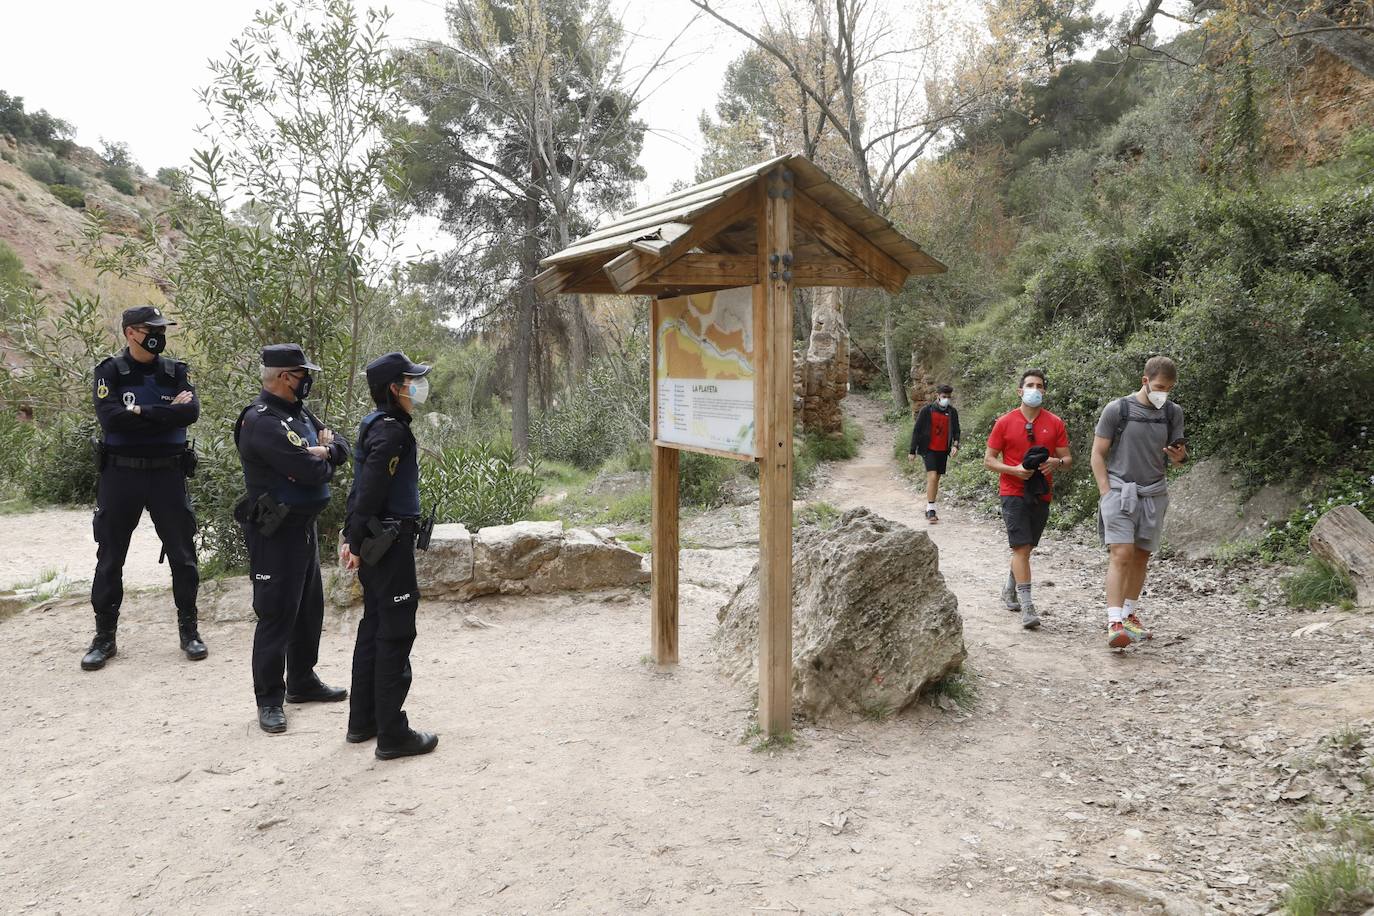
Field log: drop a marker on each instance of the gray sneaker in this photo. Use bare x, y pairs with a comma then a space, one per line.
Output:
1009, 599
1029, 618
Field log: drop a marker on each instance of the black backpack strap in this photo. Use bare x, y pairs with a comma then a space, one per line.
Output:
1123, 416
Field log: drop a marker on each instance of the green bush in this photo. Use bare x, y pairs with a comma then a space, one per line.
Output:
478, 486
121, 179
13, 280
61, 465
701, 478
605, 414
71, 196
40, 170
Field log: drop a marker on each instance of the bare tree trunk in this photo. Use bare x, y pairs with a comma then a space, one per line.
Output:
894, 369
524, 325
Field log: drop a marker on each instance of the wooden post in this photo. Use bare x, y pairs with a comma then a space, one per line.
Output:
663, 486
773, 307
665, 555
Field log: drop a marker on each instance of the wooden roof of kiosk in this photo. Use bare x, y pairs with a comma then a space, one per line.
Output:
774, 226
705, 237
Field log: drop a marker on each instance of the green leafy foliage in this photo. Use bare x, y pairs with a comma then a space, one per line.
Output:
478, 486
71, 196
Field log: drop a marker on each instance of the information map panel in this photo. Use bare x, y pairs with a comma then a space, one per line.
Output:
704, 371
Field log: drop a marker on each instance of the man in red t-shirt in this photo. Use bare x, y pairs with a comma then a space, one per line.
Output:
1026, 447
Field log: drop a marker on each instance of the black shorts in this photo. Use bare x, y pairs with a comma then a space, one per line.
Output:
936, 461
1025, 519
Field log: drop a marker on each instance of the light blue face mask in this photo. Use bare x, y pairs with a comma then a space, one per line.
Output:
417, 389
1032, 397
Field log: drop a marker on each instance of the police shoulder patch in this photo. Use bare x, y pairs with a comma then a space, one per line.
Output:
294, 438
102, 390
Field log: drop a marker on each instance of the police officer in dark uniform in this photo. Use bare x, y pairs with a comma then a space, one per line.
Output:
288, 459
380, 533
144, 401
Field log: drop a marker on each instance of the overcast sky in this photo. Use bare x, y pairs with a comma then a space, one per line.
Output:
129, 70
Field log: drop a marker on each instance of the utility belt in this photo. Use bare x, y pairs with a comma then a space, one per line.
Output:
185, 460
383, 532
269, 515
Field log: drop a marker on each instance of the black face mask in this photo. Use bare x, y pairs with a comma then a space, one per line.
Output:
154, 341
303, 384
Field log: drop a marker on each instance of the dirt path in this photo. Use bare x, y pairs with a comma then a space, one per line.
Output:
57, 544
574, 777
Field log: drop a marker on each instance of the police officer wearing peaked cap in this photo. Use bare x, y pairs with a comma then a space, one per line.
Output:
144, 402
288, 458
380, 531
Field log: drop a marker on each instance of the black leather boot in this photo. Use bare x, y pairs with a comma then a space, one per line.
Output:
191, 642
102, 650
412, 745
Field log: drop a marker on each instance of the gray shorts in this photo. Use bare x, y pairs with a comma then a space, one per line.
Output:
1140, 528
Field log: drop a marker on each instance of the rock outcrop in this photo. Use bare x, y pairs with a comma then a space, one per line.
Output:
820, 379
873, 623
1208, 510
523, 558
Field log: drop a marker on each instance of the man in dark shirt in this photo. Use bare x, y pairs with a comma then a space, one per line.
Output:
144, 402
384, 509
935, 437
288, 458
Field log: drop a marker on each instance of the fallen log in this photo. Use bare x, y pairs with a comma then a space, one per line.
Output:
1344, 539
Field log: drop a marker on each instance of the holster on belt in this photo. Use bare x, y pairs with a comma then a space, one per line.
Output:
374, 547
424, 530
98, 447
264, 513
189, 460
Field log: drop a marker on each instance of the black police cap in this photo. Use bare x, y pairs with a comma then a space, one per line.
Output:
388, 367
286, 356
146, 314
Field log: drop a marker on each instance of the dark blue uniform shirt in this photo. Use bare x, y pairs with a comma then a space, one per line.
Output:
386, 474
274, 437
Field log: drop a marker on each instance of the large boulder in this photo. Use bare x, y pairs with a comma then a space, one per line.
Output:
873, 623
1209, 510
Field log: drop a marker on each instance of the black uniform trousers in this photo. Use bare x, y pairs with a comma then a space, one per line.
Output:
121, 497
288, 598
386, 633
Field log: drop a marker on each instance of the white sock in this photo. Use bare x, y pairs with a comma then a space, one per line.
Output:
930, 507
1128, 607
1113, 615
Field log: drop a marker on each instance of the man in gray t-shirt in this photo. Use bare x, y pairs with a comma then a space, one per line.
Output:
1135, 439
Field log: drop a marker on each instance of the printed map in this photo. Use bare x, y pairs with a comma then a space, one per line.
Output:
704, 357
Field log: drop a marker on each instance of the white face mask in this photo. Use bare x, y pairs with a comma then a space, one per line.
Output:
944, 402
1032, 397
1157, 398
417, 389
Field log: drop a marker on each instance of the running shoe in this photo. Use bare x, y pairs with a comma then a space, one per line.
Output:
931, 517
1117, 637
1135, 629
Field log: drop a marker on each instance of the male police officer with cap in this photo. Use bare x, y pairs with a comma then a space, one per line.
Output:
288, 458
144, 401
380, 532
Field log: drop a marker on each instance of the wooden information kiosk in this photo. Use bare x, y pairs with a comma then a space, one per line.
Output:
721, 260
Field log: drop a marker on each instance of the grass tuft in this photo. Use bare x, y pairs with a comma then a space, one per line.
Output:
961, 687
1333, 884
1317, 585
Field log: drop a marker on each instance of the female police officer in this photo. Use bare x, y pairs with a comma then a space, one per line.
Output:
380, 529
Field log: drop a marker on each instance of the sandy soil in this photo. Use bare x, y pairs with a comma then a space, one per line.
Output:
573, 776
58, 542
